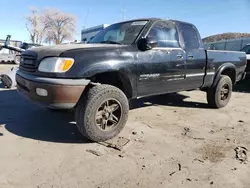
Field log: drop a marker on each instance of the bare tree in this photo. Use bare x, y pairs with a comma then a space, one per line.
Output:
59, 26
35, 26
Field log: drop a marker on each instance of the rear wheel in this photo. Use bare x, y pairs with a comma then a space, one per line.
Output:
102, 112
219, 95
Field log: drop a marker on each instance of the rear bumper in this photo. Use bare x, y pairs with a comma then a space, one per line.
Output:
57, 93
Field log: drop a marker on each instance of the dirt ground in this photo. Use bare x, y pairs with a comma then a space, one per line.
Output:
174, 141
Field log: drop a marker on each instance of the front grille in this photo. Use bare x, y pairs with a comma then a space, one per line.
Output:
28, 63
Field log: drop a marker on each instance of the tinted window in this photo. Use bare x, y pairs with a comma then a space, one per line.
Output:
165, 34
246, 49
190, 36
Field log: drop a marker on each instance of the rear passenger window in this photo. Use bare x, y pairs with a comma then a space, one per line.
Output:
165, 34
190, 36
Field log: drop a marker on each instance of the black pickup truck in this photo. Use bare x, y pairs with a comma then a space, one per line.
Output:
126, 60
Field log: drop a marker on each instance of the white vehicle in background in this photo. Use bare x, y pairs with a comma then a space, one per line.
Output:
6, 55
11, 53
9, 50
246, 49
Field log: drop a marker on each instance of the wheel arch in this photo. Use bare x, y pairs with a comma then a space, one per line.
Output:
114, 78
228, 69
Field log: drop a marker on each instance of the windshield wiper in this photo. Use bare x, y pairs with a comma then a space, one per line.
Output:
111, 42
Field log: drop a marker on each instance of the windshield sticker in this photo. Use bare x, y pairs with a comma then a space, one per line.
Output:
140, 23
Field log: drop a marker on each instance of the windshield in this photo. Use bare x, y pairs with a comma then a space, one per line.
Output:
120, 33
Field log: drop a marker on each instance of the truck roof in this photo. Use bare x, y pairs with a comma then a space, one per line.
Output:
153, 19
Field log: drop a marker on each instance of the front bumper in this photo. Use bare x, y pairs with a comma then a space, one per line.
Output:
60, 93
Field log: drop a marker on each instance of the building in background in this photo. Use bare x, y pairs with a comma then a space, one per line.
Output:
230, 45
88, 33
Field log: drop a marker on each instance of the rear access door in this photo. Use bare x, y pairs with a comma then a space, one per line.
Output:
195, 56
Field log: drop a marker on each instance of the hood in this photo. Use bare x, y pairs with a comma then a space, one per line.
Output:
56, 50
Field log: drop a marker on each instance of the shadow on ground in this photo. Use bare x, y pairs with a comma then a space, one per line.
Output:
27, 120
243, 86
173, 99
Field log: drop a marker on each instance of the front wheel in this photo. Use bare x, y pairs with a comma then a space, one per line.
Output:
102, 112
219, 95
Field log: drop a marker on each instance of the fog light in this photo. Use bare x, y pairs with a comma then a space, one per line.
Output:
41, 92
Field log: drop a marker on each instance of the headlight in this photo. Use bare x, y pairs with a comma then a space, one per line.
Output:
55, 64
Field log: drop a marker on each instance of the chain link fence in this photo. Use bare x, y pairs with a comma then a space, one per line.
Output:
230, 45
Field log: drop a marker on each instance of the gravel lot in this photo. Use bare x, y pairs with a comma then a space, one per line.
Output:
174, 141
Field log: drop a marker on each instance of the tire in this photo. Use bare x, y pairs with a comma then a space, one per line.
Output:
219, 95
94, 104
17, 59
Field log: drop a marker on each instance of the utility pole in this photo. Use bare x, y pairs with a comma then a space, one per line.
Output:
85, 19
123, 14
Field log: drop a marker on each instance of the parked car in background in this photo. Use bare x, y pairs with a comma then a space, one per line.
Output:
246, 49
126, 60
7, 55
10, 52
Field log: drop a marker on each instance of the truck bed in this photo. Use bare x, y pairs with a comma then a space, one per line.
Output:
215, 58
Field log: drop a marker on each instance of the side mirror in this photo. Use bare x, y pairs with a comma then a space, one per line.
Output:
147, 43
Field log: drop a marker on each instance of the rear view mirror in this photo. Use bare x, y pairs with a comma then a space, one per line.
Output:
147, 43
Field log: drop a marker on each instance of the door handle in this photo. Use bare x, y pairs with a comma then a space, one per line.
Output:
180, 65
190, 56
179, 56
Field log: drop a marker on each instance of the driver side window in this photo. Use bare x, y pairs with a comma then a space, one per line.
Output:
165, 34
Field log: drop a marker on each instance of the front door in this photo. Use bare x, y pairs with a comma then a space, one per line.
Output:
161, 69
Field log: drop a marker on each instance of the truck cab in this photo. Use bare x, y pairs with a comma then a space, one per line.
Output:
178, 58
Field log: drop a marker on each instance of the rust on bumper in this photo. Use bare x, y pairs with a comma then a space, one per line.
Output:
58, 96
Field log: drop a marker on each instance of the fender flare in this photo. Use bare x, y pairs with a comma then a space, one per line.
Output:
221, 69
127, 82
